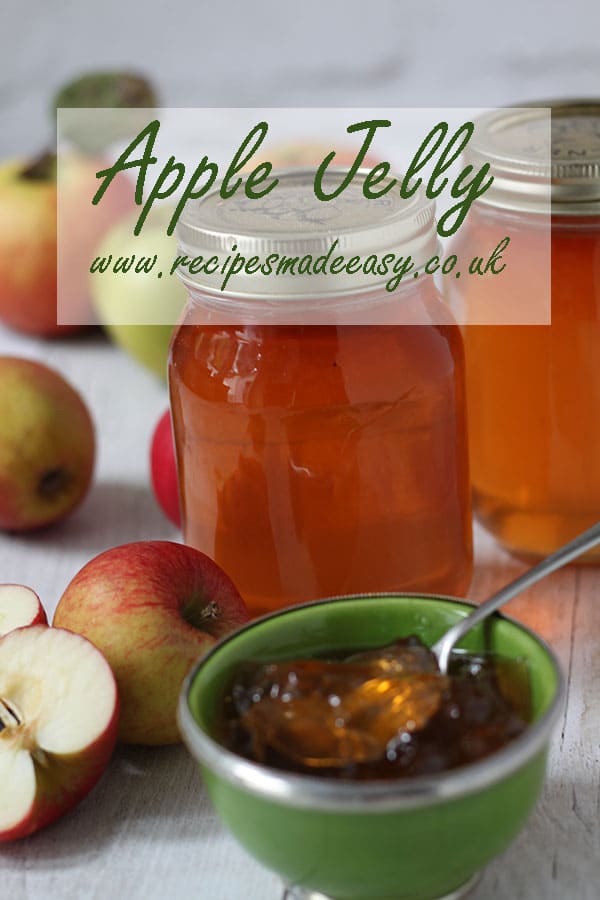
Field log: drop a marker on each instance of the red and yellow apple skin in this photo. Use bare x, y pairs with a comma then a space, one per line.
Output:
163, 468
82, 226
29, 241
59, 712
152, 608
47, 445
27, 251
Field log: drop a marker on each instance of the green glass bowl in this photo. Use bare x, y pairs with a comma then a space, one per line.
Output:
408, 839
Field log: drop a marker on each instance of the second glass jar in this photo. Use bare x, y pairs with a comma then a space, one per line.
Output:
534, 390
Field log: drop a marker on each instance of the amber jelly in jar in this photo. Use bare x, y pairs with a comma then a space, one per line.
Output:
320, 433
534, 390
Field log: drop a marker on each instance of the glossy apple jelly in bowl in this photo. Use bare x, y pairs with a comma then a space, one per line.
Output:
383, 712
408, 838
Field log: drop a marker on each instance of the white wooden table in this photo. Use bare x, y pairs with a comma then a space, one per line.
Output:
147, 831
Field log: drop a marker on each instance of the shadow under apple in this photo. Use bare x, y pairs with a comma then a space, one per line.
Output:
113, 513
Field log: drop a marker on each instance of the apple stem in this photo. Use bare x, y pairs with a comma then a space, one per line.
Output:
197, 616
8, 717
210, 611
42, 168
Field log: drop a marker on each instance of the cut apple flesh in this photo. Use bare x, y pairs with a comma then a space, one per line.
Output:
17, 777
19, 606
58, 710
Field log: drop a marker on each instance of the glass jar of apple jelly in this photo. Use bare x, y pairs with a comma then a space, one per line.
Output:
534, 391
320, 431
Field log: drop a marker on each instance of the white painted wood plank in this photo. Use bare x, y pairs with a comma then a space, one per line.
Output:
557, 856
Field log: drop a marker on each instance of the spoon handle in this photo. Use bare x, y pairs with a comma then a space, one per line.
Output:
560, 557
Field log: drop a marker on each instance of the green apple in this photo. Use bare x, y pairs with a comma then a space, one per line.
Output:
121, 89
124, 301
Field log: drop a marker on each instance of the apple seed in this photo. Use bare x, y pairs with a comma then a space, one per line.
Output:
9, 718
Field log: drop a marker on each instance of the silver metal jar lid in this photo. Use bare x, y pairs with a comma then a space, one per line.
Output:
292, 221
544, 157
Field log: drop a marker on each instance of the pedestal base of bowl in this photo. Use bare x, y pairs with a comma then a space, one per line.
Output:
298, 893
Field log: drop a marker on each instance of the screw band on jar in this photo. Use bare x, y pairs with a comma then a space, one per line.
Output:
294, 223
544, 157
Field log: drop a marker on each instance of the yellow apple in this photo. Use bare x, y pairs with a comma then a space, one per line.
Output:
47, 445
125, 301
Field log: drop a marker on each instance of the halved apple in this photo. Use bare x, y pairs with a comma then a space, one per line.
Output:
19, 607
58, 725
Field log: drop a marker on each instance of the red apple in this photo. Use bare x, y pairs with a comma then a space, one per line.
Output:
19, 607
163, 468
29, 241
58, 725
28, 246
81, 228
46, 445
152, 608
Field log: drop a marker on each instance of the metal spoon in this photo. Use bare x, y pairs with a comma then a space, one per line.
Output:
560, 557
